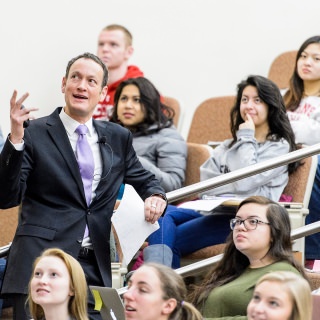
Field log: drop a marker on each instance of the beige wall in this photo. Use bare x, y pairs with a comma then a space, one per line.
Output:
190, 49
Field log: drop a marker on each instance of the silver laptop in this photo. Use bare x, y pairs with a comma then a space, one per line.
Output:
108, 302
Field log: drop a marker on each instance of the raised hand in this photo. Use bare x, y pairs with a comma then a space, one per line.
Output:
18, 115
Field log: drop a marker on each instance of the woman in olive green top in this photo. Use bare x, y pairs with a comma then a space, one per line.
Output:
260, 242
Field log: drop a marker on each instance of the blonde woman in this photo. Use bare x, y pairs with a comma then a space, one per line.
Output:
281, 295
58, 288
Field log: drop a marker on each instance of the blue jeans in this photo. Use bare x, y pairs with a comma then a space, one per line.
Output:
186, 231
312, 244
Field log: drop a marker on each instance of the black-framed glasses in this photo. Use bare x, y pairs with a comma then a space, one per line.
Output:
249, 223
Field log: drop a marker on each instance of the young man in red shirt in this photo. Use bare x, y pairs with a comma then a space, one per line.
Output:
115, 49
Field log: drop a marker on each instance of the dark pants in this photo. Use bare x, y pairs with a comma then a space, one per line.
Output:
20, 307
185, 231
91, 270
312, 243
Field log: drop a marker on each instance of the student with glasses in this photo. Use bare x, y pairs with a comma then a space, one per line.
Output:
249, 223
260, 242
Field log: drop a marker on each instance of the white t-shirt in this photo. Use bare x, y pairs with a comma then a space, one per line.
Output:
305, 121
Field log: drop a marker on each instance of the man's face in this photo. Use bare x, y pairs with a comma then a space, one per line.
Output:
113, 48
82, 89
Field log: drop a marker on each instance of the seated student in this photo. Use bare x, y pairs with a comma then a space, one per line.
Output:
281, 295
115, 49
261, 131
260, 242
58, 288
158, 144
302, 101
156, 292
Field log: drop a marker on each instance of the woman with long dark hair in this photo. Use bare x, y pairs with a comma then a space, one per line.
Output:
261, 131
302, 101
260, 242
158, 144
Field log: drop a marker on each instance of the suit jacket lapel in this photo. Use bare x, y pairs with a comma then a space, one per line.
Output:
60, 138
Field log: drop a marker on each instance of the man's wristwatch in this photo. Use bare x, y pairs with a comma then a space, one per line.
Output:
160, 195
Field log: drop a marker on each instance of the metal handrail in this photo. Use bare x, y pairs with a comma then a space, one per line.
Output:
243, 173
4, 250
305, 231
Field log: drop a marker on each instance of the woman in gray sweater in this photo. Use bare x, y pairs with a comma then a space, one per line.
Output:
158, 144
261, 130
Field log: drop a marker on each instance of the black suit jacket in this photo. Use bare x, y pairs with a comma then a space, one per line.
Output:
49, 185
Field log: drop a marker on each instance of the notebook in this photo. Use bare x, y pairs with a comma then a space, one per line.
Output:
108, 302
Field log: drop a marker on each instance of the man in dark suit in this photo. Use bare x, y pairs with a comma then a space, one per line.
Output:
38, 167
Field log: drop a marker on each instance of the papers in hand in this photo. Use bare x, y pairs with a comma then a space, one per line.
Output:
130, 224
207, 205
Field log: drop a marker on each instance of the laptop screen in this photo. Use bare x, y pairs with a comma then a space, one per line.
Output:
108, 302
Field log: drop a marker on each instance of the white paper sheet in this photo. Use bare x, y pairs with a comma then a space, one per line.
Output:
130, 224
208, 205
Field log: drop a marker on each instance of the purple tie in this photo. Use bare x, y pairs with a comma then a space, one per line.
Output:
85, 161
86, 164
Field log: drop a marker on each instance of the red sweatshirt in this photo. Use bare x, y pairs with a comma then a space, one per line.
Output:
104, 109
